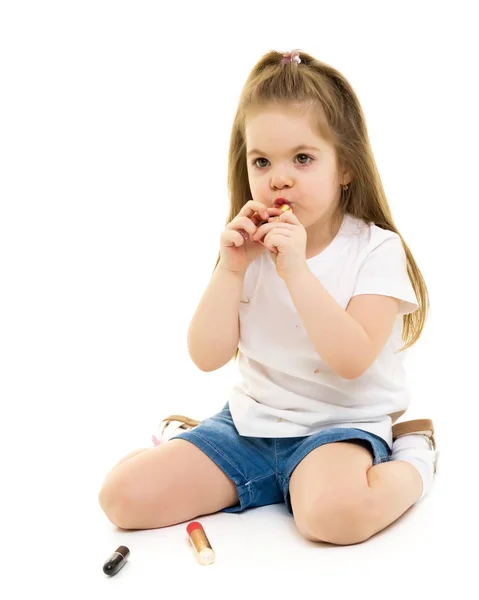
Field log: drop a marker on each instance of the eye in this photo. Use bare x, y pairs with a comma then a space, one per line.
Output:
304, 156
256, 161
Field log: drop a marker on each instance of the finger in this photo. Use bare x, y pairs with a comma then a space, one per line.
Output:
272, 213
288, 216
243, 223
284, 233
264, 229
271, 247
253, 206
274, 239
258, 219
233, 238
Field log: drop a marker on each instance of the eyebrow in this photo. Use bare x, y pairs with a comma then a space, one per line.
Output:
302, 147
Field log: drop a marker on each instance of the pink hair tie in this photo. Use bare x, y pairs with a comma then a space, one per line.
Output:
290, 56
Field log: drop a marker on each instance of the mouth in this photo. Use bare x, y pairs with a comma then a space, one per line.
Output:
279, 202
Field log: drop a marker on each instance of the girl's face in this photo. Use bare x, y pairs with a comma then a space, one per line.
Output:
287, 159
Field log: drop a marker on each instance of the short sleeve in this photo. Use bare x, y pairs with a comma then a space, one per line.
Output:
384, 272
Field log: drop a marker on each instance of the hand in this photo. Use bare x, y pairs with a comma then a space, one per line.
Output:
286, 240
237, 248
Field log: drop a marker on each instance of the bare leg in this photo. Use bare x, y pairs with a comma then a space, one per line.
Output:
396, 486
339, 497
165, 485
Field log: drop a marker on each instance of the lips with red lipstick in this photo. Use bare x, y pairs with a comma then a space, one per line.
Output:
279, 202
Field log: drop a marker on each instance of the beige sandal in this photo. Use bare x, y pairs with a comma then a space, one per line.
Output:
420, 426
171, 426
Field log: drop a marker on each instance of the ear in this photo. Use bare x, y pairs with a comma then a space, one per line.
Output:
344, 174
346, 178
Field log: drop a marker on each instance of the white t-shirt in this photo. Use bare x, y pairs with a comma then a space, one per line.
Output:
284, 388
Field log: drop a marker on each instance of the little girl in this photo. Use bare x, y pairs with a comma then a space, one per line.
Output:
317, 304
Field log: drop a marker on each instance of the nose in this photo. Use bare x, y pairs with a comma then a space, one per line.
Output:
280, 181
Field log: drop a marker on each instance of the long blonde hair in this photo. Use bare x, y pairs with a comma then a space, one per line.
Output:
340, 119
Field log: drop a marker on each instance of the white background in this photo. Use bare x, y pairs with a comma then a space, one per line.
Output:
114, 130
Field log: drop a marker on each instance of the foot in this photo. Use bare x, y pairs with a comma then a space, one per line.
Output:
423, 428
414, 442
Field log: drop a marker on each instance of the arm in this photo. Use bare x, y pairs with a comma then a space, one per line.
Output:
213, 333
348, 341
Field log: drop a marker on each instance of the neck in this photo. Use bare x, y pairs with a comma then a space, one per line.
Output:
322, 233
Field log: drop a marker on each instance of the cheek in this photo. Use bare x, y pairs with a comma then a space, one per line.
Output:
259, 187
320, 187
252, 179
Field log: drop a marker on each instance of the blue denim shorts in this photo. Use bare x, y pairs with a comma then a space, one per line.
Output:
261, 468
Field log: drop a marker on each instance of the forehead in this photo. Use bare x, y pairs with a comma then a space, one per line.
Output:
277, 126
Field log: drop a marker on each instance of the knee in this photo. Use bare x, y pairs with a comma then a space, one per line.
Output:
117, 504
342, 520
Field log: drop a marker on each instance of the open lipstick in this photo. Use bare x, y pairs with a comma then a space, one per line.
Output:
283, 204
